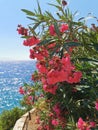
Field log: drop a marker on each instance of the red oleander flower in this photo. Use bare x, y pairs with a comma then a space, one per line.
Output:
46, 127
75, 77
21, 30
64, 27
31, 41
54, 76
66, 64
93, 124
50, 89
57, 110
52, 30
40, 53
40, 128
82, 125
51, 46
41, 68
38, 120
32, 54
55, 122
62, 70
96, 105
21, 90
30, 98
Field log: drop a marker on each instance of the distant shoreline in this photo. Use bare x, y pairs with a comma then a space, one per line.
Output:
31, 60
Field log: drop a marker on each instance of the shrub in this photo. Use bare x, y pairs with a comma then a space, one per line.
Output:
66, 80
9, 117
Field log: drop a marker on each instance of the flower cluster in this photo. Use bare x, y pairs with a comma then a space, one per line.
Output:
21, 30
82, 125
66, 89
55, 71
63, 28
28, 94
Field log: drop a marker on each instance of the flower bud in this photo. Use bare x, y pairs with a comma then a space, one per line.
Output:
64, 3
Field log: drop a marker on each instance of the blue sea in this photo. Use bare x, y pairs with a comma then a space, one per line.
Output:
13, 74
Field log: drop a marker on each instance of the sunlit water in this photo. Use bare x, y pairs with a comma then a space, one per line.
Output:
12, 75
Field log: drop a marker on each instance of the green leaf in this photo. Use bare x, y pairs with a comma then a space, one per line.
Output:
44, 42
32, 30
33, 19
39, 8
56, 29
86, 18
26, 37
50, 15
61, 52
68, 15
96, 47
71, 44
28, 12
75, 14
88, 59
80, 24
58, 7
36, 25
59, 1
54, 51
82, 18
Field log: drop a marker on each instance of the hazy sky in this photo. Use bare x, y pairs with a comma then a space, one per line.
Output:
11, 15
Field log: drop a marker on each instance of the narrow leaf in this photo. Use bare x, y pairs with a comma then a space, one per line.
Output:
44, 42
39, 8
36, 25
26, 37
58, 7
71, 44
56, 29
59, 1
50, 15
28, 12
88, 59
32, 30
33, 19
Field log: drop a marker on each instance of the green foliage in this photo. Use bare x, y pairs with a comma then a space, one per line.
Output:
9, 117
23, 104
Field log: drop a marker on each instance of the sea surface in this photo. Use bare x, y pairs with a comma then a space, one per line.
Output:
13, 74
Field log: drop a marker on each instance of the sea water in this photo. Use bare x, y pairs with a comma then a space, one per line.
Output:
13, 74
